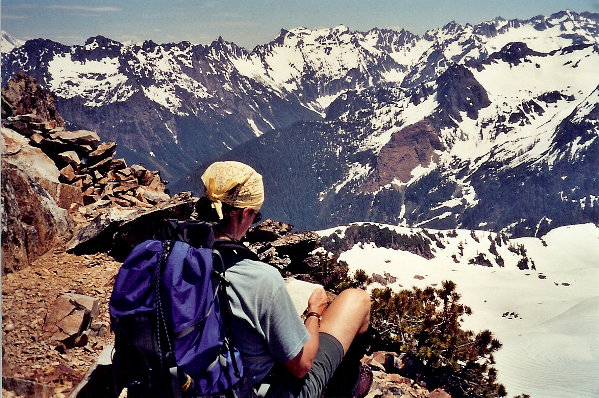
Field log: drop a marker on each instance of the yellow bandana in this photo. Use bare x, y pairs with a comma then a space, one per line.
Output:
233, 183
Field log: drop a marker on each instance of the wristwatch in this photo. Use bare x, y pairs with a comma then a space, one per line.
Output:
307, 314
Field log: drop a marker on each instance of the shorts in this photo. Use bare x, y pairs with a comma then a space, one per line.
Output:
328, 358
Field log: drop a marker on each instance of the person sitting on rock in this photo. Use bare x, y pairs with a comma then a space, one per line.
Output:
297, 359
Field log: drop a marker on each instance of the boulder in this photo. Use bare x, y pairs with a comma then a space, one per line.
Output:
117, 164
69, 157
109, 177
67, 174
104, 150
387, 359
118, 230
157, 184
289, 251
32, 221
79, 137
125, 172
36, 139
268, 231
134, 201
152, 196
128, 185
143, 175
99, 166
17, 151
67, 195
69, 316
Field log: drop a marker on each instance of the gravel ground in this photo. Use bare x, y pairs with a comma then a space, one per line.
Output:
26, 296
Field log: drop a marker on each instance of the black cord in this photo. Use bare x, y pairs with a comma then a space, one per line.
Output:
160, 318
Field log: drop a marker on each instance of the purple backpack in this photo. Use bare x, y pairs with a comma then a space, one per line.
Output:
170, 314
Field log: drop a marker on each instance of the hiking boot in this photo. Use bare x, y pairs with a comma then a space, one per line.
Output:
364, 382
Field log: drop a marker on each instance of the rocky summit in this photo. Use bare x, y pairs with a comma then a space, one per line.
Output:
54, 181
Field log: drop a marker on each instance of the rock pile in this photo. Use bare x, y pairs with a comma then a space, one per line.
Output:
71, 170
290, 252
83, 160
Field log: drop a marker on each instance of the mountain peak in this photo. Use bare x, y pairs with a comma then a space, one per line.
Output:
452, 27
196, 103
341, 28
9, 42
101, 42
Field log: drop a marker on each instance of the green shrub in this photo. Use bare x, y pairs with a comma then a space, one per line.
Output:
425, 325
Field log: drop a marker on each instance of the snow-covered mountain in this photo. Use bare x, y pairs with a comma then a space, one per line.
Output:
508, 142
537, 295
8, 42
479, 126
169, 106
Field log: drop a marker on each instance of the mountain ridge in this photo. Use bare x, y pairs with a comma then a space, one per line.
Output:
494, 94
505, 158
171, 82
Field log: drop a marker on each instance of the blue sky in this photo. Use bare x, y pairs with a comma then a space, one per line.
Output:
248, 23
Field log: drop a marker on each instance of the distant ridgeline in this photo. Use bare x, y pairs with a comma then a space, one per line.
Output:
430, 244
492, 126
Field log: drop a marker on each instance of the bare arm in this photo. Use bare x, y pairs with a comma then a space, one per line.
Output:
302, 363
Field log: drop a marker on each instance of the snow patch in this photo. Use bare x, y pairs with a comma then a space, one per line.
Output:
100, 82
255, 128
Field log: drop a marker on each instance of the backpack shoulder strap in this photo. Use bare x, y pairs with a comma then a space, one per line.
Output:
225, 305
232, 252
193, 232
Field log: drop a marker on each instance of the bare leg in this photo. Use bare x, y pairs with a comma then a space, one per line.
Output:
347, 316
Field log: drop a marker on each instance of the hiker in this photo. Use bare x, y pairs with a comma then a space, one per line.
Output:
297, 358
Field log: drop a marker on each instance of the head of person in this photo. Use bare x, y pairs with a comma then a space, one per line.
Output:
235, 193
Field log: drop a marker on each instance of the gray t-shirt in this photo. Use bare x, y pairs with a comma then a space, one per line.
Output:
266, 326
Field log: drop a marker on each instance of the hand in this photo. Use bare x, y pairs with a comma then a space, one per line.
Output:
318, 301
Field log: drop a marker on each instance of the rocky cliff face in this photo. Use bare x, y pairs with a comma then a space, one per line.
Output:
32, 221
413, 146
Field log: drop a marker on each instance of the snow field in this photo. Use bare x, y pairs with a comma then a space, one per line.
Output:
547, 319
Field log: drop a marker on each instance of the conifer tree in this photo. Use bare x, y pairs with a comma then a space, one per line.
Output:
425, 324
